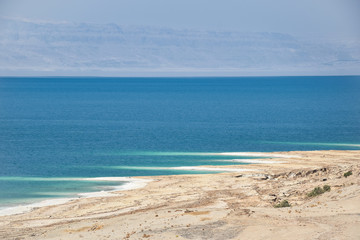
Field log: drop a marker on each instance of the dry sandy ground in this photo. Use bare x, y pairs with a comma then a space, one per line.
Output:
215, 206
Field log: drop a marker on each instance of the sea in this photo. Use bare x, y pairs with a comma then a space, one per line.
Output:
61, 136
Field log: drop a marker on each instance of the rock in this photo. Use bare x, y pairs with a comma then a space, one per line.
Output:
286, 194
270, 197
291, 175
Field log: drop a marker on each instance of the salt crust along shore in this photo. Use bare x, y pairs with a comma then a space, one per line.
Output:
251, 161
230, 205
259, 154
131, 183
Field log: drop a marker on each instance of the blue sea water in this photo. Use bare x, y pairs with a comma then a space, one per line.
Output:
56, 130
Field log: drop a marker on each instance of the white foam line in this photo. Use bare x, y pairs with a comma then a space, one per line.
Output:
133, 184
130, 184
192, 168
251, 161
213, 169
252, 154
29, 207
114, 179
318, 144
100, 179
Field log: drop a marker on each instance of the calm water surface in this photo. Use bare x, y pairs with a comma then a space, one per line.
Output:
53, 130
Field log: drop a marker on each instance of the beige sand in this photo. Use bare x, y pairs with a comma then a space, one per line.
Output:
232, 205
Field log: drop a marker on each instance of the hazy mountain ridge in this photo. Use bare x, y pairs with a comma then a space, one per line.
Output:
80, 48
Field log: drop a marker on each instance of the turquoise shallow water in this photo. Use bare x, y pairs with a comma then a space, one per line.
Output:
55, 129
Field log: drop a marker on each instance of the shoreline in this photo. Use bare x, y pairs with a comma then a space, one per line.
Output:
134, 183
130, 183
227, 205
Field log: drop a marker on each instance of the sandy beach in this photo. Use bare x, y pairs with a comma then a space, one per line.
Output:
236, 204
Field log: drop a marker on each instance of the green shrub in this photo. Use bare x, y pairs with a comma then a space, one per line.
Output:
348, 173
318, 190
284, 203
326, 188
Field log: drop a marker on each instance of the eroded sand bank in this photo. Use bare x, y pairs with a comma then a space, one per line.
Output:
231, 205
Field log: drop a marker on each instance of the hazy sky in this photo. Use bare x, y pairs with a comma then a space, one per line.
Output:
335, 18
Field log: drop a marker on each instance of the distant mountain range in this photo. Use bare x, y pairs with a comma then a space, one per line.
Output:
42, 48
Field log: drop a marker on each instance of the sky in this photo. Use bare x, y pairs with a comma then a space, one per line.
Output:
254, 37
305, 18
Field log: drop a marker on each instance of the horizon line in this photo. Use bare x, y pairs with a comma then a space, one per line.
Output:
184, 76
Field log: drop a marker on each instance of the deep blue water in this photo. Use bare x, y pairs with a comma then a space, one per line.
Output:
53, 128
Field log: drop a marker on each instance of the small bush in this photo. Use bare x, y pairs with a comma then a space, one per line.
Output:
318, 190
284, 203
326, 188
348, 173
